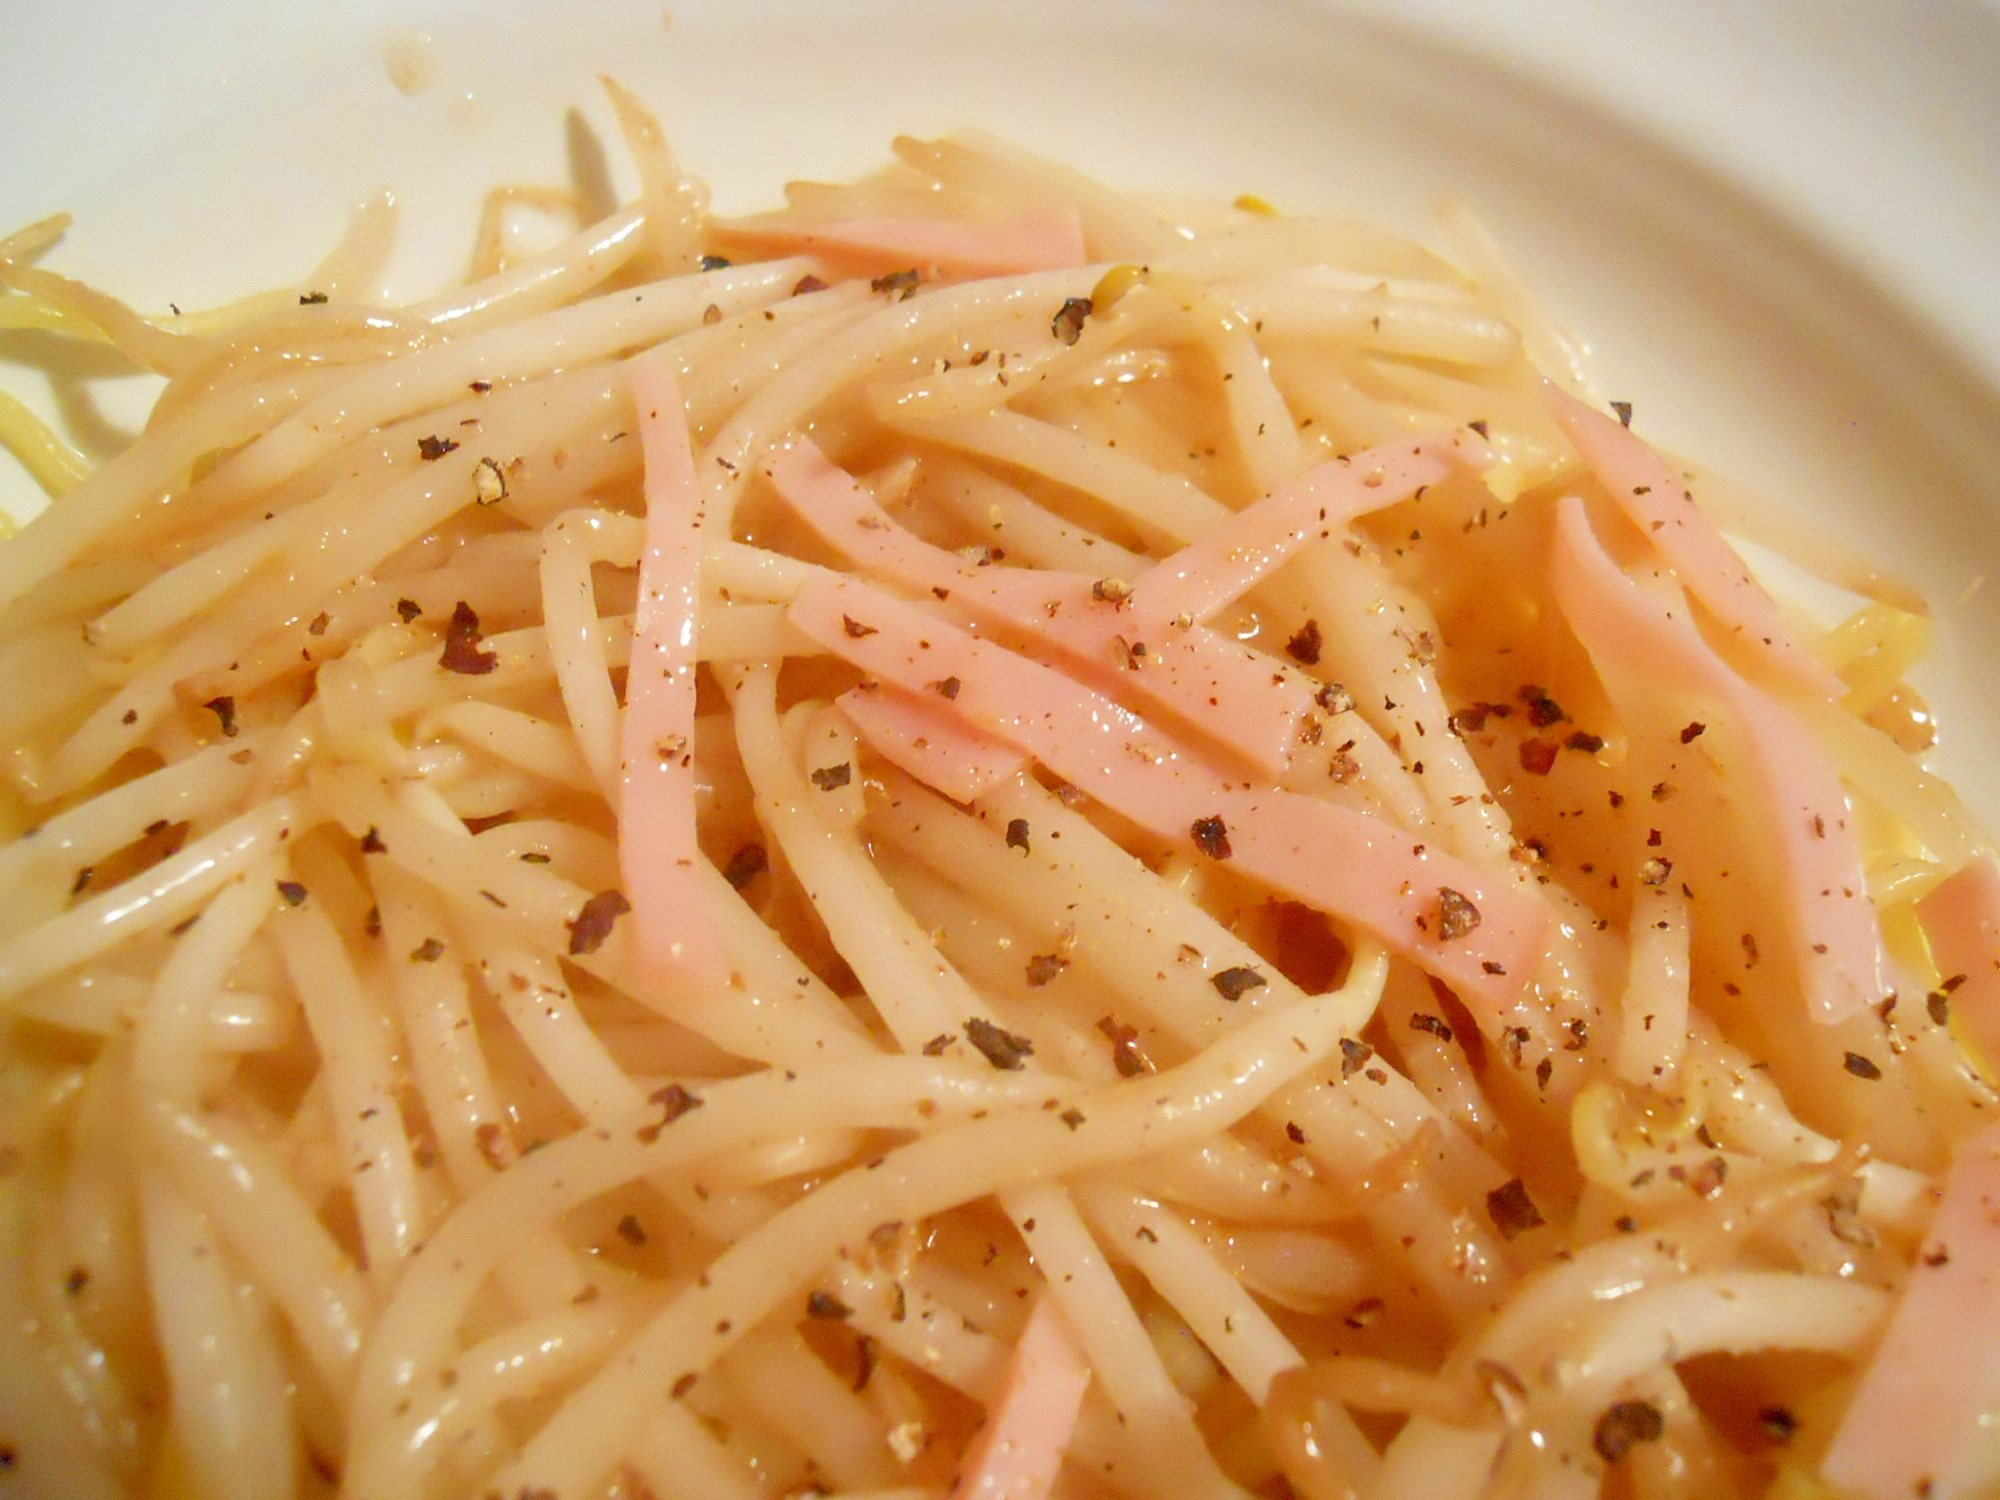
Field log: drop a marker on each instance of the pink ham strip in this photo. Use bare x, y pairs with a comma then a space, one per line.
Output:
1836, 942
1962, 920
1223, 691
1915, 1425
1344, 862
1030, 1421
1660, 505
657, 852
952, 249
1221, 566
934, 747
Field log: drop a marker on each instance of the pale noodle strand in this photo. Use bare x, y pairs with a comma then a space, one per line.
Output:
949, 1167
237, 1182
55, 1449
1655, 1007
34, 868
175, 1021
857, 351
231, 1414
680, 1458
355, 1047
172, 889
774, 1376
1122, 1357
571, 629
918, 995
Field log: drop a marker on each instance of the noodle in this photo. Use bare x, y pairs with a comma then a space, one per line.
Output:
1004, 849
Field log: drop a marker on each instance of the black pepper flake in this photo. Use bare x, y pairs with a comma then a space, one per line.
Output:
1111, 591
935, 1047
224, 709
1542, 709
408, 610
715, 262
1293, 1134
1777, 1424
1017, 834
319, 622
1044, 967
1304, 647
745, 865
1001, 1048
674, 1101
1211, 836
807, 283
371, 841
76, 1281
1544, 1071
1625, 1424
900, 285
855, 629
431, 449
1071, 1118
312, 299
948, 688
1067, 324
1538, 757
462, 639
1457, 916
1938, 1003
1125, 1054
631, 1231
833, 778
1624, 410
1585, 741
1706, 1180
593, 922
1234, 984
1354, 1056
826, 1306
1693, 731
82, 882
293, 892
481, 387
1435, 1025
1512, 1211
1335, 699
131, 716
429, 951
1478, 425
1860, 1066
1365, 1313
372, 922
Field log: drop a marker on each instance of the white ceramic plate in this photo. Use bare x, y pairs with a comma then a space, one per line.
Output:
1778, 225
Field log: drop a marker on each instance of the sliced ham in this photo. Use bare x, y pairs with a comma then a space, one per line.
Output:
1836, 941
1961, 918
947, 249
1917, 1423
1223, 691
1661, 505
1224, 563
1138, 645
1470, 929
937, 748
657, 854
1029, 1422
